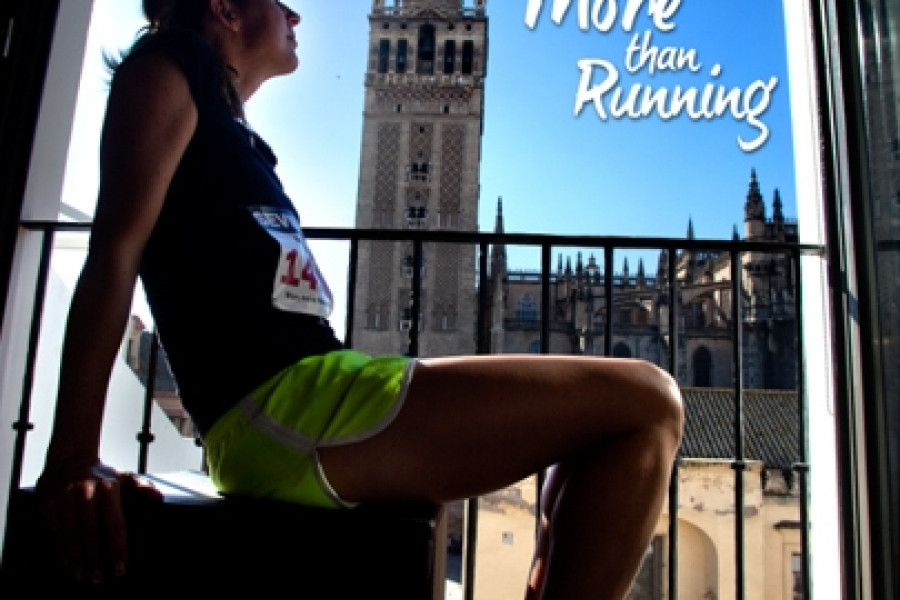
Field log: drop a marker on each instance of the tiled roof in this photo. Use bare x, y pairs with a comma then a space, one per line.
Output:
771, 420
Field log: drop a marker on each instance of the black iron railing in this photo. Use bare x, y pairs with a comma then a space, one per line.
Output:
735, 249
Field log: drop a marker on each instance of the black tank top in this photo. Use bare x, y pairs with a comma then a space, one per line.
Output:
229, 279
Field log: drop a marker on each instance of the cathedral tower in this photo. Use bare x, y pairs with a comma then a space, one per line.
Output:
419, 169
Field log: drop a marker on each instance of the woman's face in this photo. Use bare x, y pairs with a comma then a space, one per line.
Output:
269, 38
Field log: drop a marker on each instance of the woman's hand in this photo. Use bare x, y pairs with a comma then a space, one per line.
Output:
84, 512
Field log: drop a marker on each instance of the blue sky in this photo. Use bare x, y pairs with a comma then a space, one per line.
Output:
630, 177
556, 172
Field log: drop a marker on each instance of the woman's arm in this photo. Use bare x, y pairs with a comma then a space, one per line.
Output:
150, 119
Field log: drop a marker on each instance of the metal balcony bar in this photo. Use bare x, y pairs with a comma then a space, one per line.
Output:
801, 469
674, 497
146, 437
351, 287
23, 425
739, 464
546, 243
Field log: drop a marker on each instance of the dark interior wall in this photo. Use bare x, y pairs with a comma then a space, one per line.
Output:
26, 33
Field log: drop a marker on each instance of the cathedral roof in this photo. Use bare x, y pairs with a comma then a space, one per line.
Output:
771, 425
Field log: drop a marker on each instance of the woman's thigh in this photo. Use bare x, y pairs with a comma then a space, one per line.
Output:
474, 424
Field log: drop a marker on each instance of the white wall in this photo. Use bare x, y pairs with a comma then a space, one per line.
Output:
819, 392
42, 201
44, 191
124, 409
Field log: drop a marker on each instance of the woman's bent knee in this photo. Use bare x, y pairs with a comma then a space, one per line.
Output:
664, 398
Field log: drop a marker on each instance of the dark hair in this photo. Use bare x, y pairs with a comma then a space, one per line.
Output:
162, 15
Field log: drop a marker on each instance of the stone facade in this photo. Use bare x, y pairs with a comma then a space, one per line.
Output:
706, 537
419, 169
641, 306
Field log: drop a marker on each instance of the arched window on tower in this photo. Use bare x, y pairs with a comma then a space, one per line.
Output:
468, 57
425, 54
402, 49
416, 217
419, 171
702, 367
375, 316
408, 268
384, 55
449, 56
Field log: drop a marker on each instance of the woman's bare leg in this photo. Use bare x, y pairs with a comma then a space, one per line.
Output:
620, 521
472, 425
549, 493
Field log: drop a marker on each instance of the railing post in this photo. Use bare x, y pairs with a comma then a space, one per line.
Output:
416, 300
739, 464
23, 425
674, 497
483, 323
608, 272
351, 291
801, 469
483, 346
546, 300
145, 436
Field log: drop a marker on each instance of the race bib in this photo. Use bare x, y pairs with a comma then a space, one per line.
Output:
299, 286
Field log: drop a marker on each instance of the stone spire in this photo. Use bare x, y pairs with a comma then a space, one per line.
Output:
499, 285
778, 216
498, 251
662, 268
691, 255
754, 209
592, 268
778, 213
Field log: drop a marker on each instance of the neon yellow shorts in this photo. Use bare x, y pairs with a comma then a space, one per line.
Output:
267, 445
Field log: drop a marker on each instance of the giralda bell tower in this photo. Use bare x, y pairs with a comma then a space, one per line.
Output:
419, 169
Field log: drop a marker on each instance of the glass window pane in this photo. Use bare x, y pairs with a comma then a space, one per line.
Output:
880, 47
